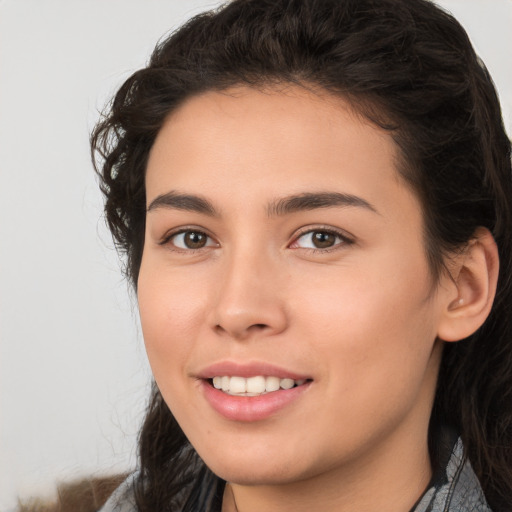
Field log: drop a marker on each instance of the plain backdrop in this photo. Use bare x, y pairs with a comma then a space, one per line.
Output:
73, 374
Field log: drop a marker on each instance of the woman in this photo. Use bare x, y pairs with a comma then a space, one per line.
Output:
313, 197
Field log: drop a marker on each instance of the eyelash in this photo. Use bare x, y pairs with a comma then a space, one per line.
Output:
343, 239
168, 237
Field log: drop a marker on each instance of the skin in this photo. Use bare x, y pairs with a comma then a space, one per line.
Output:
360, 318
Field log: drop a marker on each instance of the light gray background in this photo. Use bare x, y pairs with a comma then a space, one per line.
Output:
73, 375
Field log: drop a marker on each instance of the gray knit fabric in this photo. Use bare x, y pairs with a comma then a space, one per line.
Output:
460, 491
457, 491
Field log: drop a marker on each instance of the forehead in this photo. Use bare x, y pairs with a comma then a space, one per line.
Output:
253, 128
244, 143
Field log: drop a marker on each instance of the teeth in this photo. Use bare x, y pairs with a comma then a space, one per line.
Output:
272, 383
253, 386
237, 385
287, 383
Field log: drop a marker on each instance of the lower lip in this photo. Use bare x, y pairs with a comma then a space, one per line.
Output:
251, 408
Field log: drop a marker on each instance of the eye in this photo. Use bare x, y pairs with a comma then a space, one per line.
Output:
190, 240
319, 239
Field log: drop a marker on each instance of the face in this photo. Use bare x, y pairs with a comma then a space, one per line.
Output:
284, 263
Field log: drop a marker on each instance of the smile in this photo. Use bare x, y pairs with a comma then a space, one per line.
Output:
253, 386
253, 398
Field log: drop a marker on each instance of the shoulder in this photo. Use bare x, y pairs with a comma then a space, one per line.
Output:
123, 498
455, 488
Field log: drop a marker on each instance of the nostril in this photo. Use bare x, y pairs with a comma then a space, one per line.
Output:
240, 332
219, 328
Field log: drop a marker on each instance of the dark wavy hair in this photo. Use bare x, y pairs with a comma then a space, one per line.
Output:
409, 67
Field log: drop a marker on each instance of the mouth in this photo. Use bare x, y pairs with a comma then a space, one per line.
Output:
253, 386
253, 398
252, 391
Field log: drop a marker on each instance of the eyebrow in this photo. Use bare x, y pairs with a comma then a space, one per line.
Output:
290, 204
186, 202
313, 201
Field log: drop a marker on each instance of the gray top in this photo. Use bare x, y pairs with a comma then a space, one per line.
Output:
454, 489
458, 491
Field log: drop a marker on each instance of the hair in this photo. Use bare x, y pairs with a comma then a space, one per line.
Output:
407, 66
86, 495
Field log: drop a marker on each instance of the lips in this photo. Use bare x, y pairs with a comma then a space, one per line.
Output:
247, 370
251, 392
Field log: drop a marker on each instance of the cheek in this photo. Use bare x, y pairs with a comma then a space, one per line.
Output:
384, 296
374, 350
374, 327
171, 310
368, 326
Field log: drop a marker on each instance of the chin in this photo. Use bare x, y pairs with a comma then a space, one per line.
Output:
249, 475
260, 467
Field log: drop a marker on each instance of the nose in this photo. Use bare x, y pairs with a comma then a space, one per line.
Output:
250, 299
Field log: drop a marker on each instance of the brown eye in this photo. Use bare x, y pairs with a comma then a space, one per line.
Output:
320, 239
194, 240
191, 240
323, 239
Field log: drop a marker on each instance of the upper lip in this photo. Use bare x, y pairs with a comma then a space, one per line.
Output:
252, 369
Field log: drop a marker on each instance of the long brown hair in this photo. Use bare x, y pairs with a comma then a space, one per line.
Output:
409, 67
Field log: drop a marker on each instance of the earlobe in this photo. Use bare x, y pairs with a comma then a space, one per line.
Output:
472, 289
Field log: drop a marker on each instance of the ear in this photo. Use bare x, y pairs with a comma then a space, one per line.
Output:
469, 290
